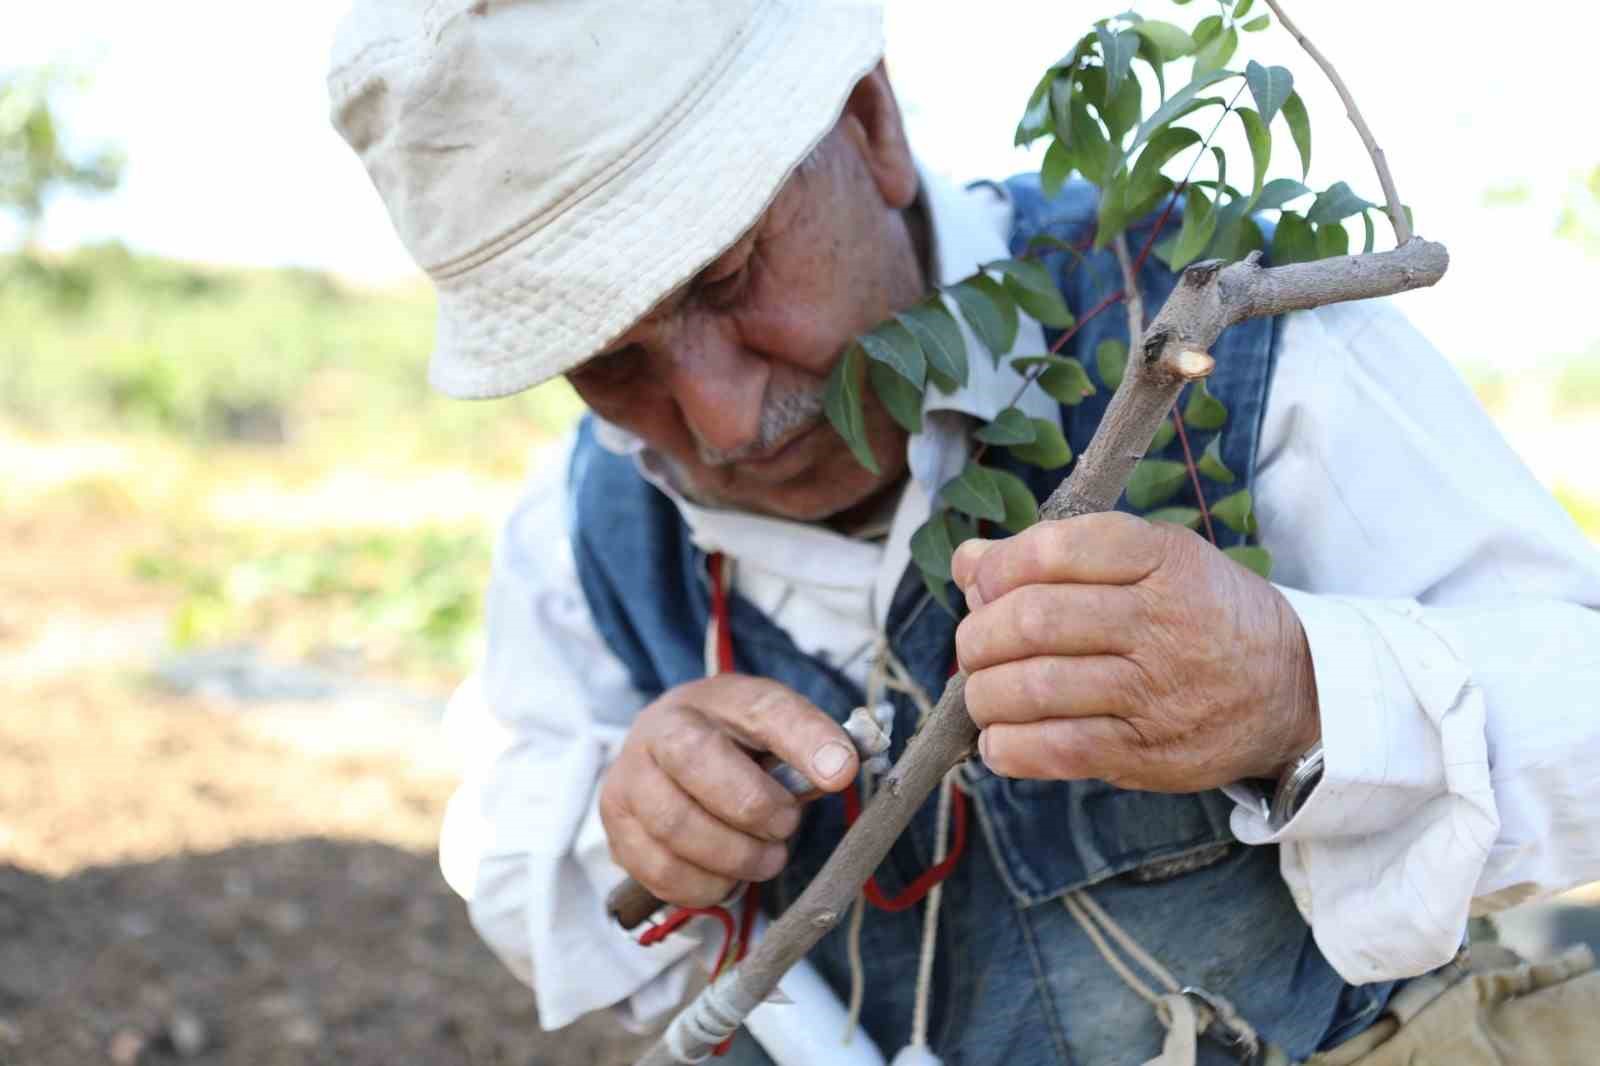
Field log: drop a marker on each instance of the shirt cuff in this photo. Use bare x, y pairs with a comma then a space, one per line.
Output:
1377, 670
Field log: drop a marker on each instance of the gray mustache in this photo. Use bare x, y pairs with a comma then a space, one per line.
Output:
779, 418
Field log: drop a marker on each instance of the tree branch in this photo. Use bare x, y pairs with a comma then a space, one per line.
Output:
1397, 214
1130, 288
1174, 350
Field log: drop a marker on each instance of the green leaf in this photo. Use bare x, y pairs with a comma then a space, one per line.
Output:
1112, 216
1235, 513
1064, 378
1009, 427
1177, 104
1222, 173
1207, 30
1277, 192
1091, 149
1049, 449
1237, 234
1122, 108
1056, 169
1211, 464
900, 398
891, 344
1036, 118
1170, 42
976, 493
936, 331
1294, 241
1270, 86
1336, 204
841, 401
1199, 223
1257, 24
1111, 359
1242, 8
1022, 510
1178, 516
1034, 290
1251, 558
932, 546
1204, 411
1332, 240
1294, 113
1164, 436
1116, 50
1035, 121
1163, 146
1151, 54
1255, 131
989, 311
1154, 482
1371, 234
1215, 53
1067, 382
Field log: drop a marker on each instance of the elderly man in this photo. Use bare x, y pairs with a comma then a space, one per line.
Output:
689, 209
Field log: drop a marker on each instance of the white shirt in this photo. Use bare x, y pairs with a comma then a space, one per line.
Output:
1448, 601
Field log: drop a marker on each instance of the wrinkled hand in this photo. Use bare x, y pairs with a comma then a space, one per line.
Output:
689, 811
1108, 647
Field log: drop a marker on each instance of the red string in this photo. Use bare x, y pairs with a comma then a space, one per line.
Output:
719, 611
933, 875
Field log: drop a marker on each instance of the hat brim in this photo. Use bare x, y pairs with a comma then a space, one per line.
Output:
573, 285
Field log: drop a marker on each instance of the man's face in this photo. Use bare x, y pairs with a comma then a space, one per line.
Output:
725, 378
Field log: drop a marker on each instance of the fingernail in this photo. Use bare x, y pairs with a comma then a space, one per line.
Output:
983, 747
974, 597
830, 758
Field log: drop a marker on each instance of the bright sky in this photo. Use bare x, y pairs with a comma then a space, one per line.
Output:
222, 112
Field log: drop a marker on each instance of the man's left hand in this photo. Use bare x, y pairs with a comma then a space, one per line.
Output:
1109, 647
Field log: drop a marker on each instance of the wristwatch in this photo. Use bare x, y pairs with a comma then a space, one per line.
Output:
1294, 788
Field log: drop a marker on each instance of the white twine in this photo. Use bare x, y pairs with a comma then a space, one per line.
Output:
714, 1016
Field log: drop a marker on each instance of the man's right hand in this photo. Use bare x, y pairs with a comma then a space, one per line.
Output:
689, 811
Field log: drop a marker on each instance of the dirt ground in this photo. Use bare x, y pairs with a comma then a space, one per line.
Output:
177, 884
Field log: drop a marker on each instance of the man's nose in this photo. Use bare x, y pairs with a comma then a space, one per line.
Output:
718, 388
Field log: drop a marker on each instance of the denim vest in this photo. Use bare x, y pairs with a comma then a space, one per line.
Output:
1015, 981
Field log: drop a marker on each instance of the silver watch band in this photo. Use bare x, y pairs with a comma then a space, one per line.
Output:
1294, 787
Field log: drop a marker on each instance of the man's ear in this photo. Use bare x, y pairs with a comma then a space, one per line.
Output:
871, 119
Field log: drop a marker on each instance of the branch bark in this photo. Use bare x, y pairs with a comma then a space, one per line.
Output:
1173, 351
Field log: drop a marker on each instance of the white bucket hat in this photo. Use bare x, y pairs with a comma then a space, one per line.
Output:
560, 166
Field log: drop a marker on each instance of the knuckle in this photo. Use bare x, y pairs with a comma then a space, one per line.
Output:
670, 817
1038, 685
655, 869
752, 808
1034, 617
681, 745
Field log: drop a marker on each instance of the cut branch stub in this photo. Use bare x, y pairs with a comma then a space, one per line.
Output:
1209, 298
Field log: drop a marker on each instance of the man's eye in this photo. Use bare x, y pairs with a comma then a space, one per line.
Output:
725, 291
613, 368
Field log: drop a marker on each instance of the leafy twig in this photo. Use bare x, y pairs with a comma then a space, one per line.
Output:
1397, 214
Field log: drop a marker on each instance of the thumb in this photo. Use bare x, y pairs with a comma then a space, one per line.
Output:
964, 568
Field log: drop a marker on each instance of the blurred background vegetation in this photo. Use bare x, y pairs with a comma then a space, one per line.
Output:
260, 445
259, 450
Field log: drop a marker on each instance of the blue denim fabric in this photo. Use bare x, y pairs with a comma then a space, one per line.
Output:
1016, 981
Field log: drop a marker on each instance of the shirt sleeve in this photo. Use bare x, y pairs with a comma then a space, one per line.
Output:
522, 841
1450, 607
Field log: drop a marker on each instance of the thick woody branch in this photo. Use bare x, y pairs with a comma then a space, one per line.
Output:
1174, 350
1397, 214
